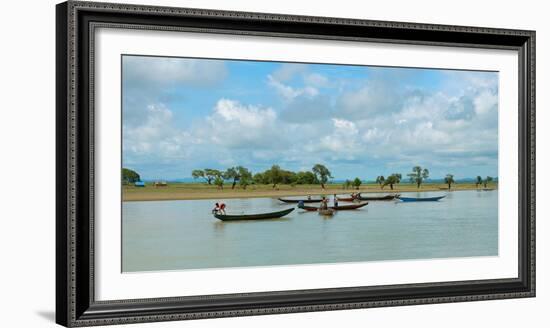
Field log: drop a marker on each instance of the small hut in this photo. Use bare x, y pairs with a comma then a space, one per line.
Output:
140, 184
161, 184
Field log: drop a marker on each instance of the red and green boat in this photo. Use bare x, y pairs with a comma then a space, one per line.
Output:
336, 208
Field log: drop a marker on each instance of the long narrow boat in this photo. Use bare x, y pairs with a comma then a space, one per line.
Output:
336, 208
316, 200
422, 199
261, 216
386, 197
346, 199
368, 198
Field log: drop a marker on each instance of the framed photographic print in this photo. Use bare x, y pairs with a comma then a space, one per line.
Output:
214, 163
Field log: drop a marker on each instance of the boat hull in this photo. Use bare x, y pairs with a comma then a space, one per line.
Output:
427, 199
336, 208
262, 216
373, 198
292, 201
346, 199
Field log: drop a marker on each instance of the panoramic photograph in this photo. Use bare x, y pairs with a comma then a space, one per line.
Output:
239, 163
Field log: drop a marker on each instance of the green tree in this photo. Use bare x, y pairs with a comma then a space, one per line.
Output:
479, 181
347, 184
418, 175
395, 178
321, 173
487, 180
129, 176
288, 177
274, 175
380, 180
211, 174
305, 177
218, 181
357, 183
196, 174
262, 178
449, 179
245, 176
232, 173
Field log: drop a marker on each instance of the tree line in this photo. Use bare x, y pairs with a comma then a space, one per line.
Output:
275, 175
319, 174
419, 175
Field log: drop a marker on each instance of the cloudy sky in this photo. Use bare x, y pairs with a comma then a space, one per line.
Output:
181, 114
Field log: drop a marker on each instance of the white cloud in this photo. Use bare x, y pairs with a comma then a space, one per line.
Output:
247, 116
287, 71
156, 136
164, 71
338, 142
316, 80
485, 102
289, 93
345, 126
370, 100
279, 80
233, 124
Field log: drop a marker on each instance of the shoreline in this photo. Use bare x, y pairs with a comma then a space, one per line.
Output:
203, 192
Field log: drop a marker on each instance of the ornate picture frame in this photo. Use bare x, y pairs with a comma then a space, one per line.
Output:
77, 22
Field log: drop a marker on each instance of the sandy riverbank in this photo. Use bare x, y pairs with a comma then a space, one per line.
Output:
186, 191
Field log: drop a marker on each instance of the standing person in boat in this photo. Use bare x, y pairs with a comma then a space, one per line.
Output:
324, 203
216, 209
335, 201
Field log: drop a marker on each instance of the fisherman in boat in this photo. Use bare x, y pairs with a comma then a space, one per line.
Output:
324, 203
301, 204
216, 209
222, 208
335, 201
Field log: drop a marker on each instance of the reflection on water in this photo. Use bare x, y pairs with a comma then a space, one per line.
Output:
172, 235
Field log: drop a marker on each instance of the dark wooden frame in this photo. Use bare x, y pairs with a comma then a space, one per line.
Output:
76, 23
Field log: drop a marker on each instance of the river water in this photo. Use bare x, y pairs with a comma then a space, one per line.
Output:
178, 235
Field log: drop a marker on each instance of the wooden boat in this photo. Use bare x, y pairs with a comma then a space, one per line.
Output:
386, 197
368, 198
316, 200
336, 208
346, 199
422, 199
261, 216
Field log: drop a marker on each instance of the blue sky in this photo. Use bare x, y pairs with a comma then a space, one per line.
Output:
181, 114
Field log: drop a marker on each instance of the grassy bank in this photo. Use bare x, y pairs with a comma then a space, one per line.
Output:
186, 191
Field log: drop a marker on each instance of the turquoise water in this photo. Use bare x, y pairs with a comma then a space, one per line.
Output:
177, 235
